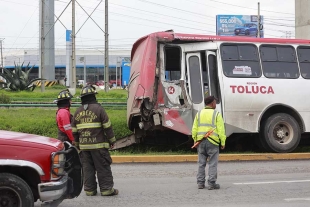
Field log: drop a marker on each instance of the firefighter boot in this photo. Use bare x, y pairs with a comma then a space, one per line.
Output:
111, 192
214, 187
201, 186
91, 193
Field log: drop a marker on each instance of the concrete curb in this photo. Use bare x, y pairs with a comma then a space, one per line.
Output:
222, 157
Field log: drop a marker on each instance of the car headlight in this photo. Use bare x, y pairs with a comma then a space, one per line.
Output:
58, 165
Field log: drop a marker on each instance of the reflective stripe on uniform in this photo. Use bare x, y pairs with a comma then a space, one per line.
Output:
213, 120
113, 139
106, 125
67, 127
94, 146
74, 129
89, 125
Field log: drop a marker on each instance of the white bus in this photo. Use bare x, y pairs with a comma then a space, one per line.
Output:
262, 85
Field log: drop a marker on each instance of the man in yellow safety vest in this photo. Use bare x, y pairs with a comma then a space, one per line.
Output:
205, 120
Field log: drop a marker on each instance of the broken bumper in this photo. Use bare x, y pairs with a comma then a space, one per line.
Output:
53, 190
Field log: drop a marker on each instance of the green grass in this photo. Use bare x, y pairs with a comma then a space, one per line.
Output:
43, 121
52, 92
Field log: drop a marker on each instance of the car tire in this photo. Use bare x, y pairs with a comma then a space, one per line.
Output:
14, 191
247, 32
280, 133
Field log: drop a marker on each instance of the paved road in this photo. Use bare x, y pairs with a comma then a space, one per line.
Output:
243, 184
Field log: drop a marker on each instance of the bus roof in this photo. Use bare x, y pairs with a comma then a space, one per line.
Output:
170, 36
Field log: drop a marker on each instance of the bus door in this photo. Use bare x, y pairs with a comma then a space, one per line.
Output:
213, 80
194, 81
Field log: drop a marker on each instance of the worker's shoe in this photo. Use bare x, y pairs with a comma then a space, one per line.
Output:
201, 186
214, 187
91, 193
111, 192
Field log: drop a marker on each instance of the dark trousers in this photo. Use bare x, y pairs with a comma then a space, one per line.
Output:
99, 161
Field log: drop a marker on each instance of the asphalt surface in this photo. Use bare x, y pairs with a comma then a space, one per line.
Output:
222, 157
282, 183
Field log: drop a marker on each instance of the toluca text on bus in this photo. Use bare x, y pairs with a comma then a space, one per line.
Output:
261, 85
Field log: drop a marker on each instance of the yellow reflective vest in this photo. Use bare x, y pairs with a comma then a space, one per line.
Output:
205, 120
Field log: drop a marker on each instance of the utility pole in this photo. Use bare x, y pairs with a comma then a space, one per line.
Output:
73, 72
42, 47
106, 48
258, 20
1, 40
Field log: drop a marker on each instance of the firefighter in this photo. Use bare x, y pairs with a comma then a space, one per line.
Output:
206, 120
63, 116
93, 134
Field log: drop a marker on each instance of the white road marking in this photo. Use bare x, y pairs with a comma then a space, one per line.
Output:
297, 199
272, 182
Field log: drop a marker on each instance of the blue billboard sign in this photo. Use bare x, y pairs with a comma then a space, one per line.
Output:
68, 36
239, 25
125, 73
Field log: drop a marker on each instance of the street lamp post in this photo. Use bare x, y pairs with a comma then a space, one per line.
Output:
1, 40
83, 59
119, 63
116, 74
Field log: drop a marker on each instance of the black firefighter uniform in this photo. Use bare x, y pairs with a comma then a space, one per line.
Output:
93, 133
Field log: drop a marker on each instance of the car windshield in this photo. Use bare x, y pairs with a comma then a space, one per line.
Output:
249, 25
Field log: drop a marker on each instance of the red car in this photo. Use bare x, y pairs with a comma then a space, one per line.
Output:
34, 167
114, 82
100, 83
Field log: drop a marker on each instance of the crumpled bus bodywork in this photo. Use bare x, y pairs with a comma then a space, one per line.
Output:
159, 103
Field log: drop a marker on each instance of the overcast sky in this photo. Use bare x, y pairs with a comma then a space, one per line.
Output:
132, 19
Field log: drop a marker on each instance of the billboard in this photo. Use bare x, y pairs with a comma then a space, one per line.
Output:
125, 72
239, 25
68, 57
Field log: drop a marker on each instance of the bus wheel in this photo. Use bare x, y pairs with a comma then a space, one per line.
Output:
281, 133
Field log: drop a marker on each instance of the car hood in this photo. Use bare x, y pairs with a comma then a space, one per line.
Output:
29, 140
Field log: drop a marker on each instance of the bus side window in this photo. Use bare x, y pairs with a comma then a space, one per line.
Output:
304, 61
240, 60
279, 61
172, 63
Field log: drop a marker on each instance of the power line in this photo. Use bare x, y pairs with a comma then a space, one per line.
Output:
148, 12
174, 8
250, 7
25, 26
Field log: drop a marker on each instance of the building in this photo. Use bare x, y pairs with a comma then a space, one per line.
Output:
119, 64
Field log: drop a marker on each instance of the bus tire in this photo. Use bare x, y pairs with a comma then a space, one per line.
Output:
14, 191
281, 133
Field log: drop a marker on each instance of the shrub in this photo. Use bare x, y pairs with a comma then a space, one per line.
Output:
4, 99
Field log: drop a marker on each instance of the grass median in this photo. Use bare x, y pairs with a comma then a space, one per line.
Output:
43, 121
